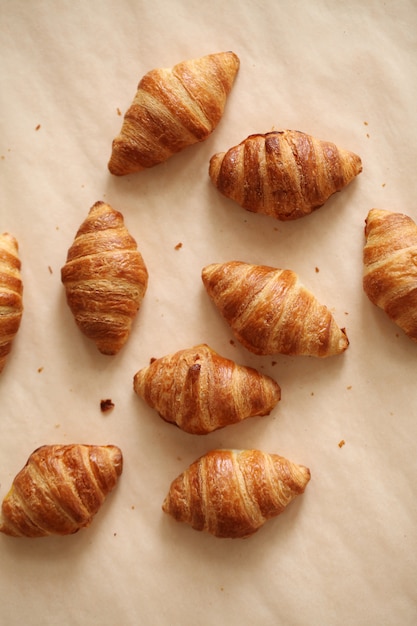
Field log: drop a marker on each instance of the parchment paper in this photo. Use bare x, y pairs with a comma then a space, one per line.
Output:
344, 553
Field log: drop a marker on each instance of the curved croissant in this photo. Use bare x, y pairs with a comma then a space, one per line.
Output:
172, 109
105, 278
232, 493
270, 311
284, 174
60, 489
201, 391
11, 290
390, 267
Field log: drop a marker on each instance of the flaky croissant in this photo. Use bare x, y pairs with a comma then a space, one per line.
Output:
201, 391
11, 291
390, 267
232, 493
285, 174
172, 109
105, 278
270, 311
60, 489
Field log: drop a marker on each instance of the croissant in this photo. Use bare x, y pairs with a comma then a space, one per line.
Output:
232, 493
11, 290
390, 267
201, 391
284, 174
270, 311
105, 278
172, 109
60, 489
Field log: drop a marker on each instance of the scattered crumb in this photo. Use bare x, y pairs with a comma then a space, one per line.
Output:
317, 270
56, 227
366, 123
118, 111
178, 246
50, 269
2, 157
273, 363
383, 184
341, 443
57, 425
133, 507
114, 534
40, 369
232, 343
221, 588
368, 135
312, 393
106, 405
349, 387
346, 312
38, 127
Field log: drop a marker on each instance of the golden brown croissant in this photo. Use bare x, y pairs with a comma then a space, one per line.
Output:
284, 174
105, 278
11, 290
201, 391
271, 312
172, 109
390, 267
60, 489
232, 493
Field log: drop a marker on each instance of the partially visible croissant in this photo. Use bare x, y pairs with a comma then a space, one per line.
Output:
270, 311
105, 278
11, 290
232, 493
172, 109
390, 267
60, 489
285, 174
201, 391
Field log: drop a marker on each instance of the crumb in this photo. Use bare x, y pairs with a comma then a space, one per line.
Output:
40, 369
366, 123
152, 360
383, 184
106, 405
57, 425
118, 111
2, 157
133, 507
232, 343
114, 534
317, 270
276, 229
56, 227
368, 135
312, 393
178, 246
273, 363
349, 387
341, 443
38, 127
221, 588
346, 312
50, 269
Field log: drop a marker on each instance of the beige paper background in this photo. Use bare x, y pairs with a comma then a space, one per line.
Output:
345, 552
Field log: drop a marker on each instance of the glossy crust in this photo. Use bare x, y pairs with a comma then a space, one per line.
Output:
60, 489
232, 493
11, 291
285, 174
173, 108
201, 391
105, 278
390, 267
270, 311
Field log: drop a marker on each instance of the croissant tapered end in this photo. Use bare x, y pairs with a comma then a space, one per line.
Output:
172, 109
60, 489
11, 291
105, 278
201, 391
284, 174
271, 312
232, 493
390, 267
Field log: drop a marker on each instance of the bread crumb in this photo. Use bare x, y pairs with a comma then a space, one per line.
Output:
366, 123
118, 111
106, 405
50, 269
40, 369
349, 387
383, 184
178, 246
37, 127
317, 270
232, 343
341, 443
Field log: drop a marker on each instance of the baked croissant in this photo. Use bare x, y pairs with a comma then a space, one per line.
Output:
284, 174
232, 493
11, 291
172, 109
105, 278
60, 489
201, 391
270, 311
390, 267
